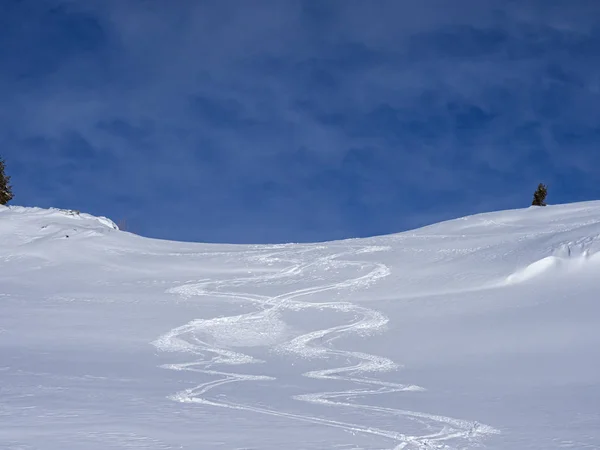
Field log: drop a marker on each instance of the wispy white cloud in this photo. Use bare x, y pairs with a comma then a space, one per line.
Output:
296, 120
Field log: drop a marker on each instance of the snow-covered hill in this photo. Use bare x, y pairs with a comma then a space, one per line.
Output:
481, 332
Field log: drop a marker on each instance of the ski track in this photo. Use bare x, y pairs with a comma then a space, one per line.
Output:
440, 430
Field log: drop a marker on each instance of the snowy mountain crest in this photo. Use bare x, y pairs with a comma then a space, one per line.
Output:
479, 332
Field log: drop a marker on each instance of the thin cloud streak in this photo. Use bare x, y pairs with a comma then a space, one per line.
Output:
291, 121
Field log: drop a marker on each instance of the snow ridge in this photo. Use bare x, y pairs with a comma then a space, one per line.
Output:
409, 341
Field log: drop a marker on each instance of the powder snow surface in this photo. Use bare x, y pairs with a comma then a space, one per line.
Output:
481, 332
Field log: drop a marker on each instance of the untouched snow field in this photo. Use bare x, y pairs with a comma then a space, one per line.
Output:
481, 332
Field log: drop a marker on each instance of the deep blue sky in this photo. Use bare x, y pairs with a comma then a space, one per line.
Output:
290, 120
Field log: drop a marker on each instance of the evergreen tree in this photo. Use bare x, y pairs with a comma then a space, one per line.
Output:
539, 196
6, 194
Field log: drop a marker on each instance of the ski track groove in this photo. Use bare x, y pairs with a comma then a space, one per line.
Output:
315, 344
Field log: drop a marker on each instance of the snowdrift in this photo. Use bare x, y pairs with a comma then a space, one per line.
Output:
480, 332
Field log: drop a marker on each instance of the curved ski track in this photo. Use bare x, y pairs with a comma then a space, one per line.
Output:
440, 430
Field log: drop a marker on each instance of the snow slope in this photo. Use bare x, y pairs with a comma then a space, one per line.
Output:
481, 332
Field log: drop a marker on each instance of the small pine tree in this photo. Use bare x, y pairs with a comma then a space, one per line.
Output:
539, 196
6, 194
